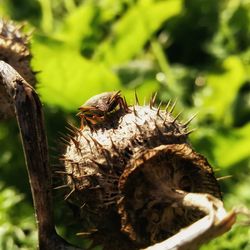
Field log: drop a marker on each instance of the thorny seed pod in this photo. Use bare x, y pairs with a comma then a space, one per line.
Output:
14, 51
125, 175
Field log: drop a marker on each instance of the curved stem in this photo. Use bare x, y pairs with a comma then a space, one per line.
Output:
30, 119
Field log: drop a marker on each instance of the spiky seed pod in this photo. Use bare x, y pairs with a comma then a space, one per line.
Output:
14, 50
124, 174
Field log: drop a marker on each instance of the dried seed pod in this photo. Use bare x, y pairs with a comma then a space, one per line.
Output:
125, 175
14, 51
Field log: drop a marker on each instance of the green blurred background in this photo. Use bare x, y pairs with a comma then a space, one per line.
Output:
195, 50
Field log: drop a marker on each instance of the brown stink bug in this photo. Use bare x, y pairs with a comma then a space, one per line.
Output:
97, 107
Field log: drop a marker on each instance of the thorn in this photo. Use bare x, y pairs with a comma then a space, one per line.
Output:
216, 169
97, 143
107, 156
83, 205
152, 100
56, 164
97, 163
88, 141
91, 231
54, 149
136, 99
137, 142
154, 97
138, 127
190, 131
20, 26
96, 187
62, 172
128, 153
130, 143
165, 119
146, 123
114, 146
62, 186
190, 119
158, 109
85, 138
64, 140
157, 127
75, 129
30, 33
176, 118
173, 106
84, 234
70, 130
150, 104
82, 176
76, 143
69, 137
135, 112
167, 106
70, 193
63, 158
224, 177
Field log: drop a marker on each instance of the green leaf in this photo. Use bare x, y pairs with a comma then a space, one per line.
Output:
17, 223
224, 147
216, 97
134, 29
77, 25
66, 78
236, 239
232, 146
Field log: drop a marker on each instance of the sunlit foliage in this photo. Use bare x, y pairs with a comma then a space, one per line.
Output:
195, 50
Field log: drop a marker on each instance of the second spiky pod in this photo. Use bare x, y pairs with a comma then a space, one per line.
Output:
125, 172
14, 50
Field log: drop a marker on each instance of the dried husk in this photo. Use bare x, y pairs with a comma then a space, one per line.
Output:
124, 175
14, 50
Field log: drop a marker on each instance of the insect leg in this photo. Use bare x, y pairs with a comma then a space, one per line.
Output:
123, 104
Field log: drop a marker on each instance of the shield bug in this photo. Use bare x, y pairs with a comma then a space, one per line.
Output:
97, 107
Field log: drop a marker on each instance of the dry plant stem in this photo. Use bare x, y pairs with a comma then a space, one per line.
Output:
31, 124
216, 222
